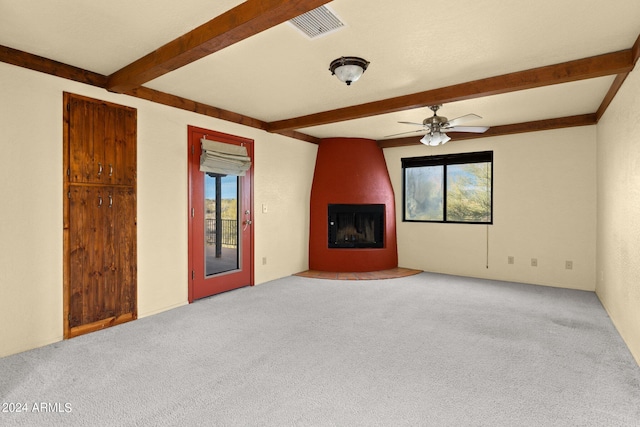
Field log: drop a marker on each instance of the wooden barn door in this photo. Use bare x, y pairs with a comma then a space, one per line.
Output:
100, 265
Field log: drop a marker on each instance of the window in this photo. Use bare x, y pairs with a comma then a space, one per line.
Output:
449, 188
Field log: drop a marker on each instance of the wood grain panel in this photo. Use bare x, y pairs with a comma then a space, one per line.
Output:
94, 238
100, 215
100, 141
109, 161
80, 141
110, 266
100, 324
125, 153
125, 289
77, 252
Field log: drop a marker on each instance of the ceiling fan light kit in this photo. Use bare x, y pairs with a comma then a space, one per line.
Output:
436, 125
435, 138
348, 69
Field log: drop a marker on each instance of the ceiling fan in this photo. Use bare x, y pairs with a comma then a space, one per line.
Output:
436, 126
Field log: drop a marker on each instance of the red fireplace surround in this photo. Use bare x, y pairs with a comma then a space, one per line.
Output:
350, 171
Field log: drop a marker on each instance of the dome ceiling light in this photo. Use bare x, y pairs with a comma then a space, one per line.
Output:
348, 69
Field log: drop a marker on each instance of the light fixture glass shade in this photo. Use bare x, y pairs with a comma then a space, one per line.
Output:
348, 73
435, 138
348, 69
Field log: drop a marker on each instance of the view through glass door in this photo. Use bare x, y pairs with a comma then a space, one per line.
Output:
220, 223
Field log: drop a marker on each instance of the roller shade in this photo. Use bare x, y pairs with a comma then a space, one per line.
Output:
224, 159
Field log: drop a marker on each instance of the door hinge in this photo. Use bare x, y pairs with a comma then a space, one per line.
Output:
69, 317
193, 150
193, 275
68, 107
193, 212
69, 194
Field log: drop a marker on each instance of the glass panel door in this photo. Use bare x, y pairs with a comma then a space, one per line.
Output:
221, 223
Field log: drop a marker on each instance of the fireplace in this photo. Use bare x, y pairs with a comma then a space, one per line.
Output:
351, 182
356, 226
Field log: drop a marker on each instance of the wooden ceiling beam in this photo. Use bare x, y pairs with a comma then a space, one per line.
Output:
186, 104
587, 68
533, 126
636, 50
49, 66
619, 80
611, 93
208, 110
243, 21
44, 65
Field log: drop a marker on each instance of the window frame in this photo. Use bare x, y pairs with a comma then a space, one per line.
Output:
446, 160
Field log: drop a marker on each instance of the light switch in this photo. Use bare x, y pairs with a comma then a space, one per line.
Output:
264, 208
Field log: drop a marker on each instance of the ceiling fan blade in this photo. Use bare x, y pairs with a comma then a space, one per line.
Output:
472, 129
404, 133
412, 123
463, 119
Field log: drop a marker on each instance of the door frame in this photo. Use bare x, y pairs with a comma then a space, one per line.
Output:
192, 163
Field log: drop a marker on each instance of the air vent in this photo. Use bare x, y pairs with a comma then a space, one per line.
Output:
317, 22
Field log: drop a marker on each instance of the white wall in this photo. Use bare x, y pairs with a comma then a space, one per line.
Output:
544, 207
31, 204
284, 173
618, 268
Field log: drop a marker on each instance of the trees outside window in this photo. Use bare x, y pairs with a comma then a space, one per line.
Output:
449, 188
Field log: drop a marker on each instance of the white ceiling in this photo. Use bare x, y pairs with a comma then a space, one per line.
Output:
413, 46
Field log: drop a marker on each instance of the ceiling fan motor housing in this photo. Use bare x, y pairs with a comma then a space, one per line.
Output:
435, 121
437, 125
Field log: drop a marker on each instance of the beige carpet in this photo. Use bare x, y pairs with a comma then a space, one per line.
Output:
422, 350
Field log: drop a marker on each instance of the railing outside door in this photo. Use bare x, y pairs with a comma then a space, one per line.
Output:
227, 232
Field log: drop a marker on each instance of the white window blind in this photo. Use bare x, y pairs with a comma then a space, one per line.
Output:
224, 159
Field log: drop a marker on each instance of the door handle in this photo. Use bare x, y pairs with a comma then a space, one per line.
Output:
247, 222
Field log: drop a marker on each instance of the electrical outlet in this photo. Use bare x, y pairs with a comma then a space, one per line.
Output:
510, 260
534, 262
264, 208
568, 265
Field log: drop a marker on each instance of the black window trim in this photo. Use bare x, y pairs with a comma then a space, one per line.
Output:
445, 160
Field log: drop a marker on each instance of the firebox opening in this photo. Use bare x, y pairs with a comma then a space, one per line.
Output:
356, 226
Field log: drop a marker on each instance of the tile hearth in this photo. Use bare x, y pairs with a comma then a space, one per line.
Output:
391, 273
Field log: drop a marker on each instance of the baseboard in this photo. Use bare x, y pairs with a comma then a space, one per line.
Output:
160, 310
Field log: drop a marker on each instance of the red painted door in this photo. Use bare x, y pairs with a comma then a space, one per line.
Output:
220, 222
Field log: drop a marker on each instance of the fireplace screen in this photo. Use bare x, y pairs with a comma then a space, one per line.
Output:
356, 226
